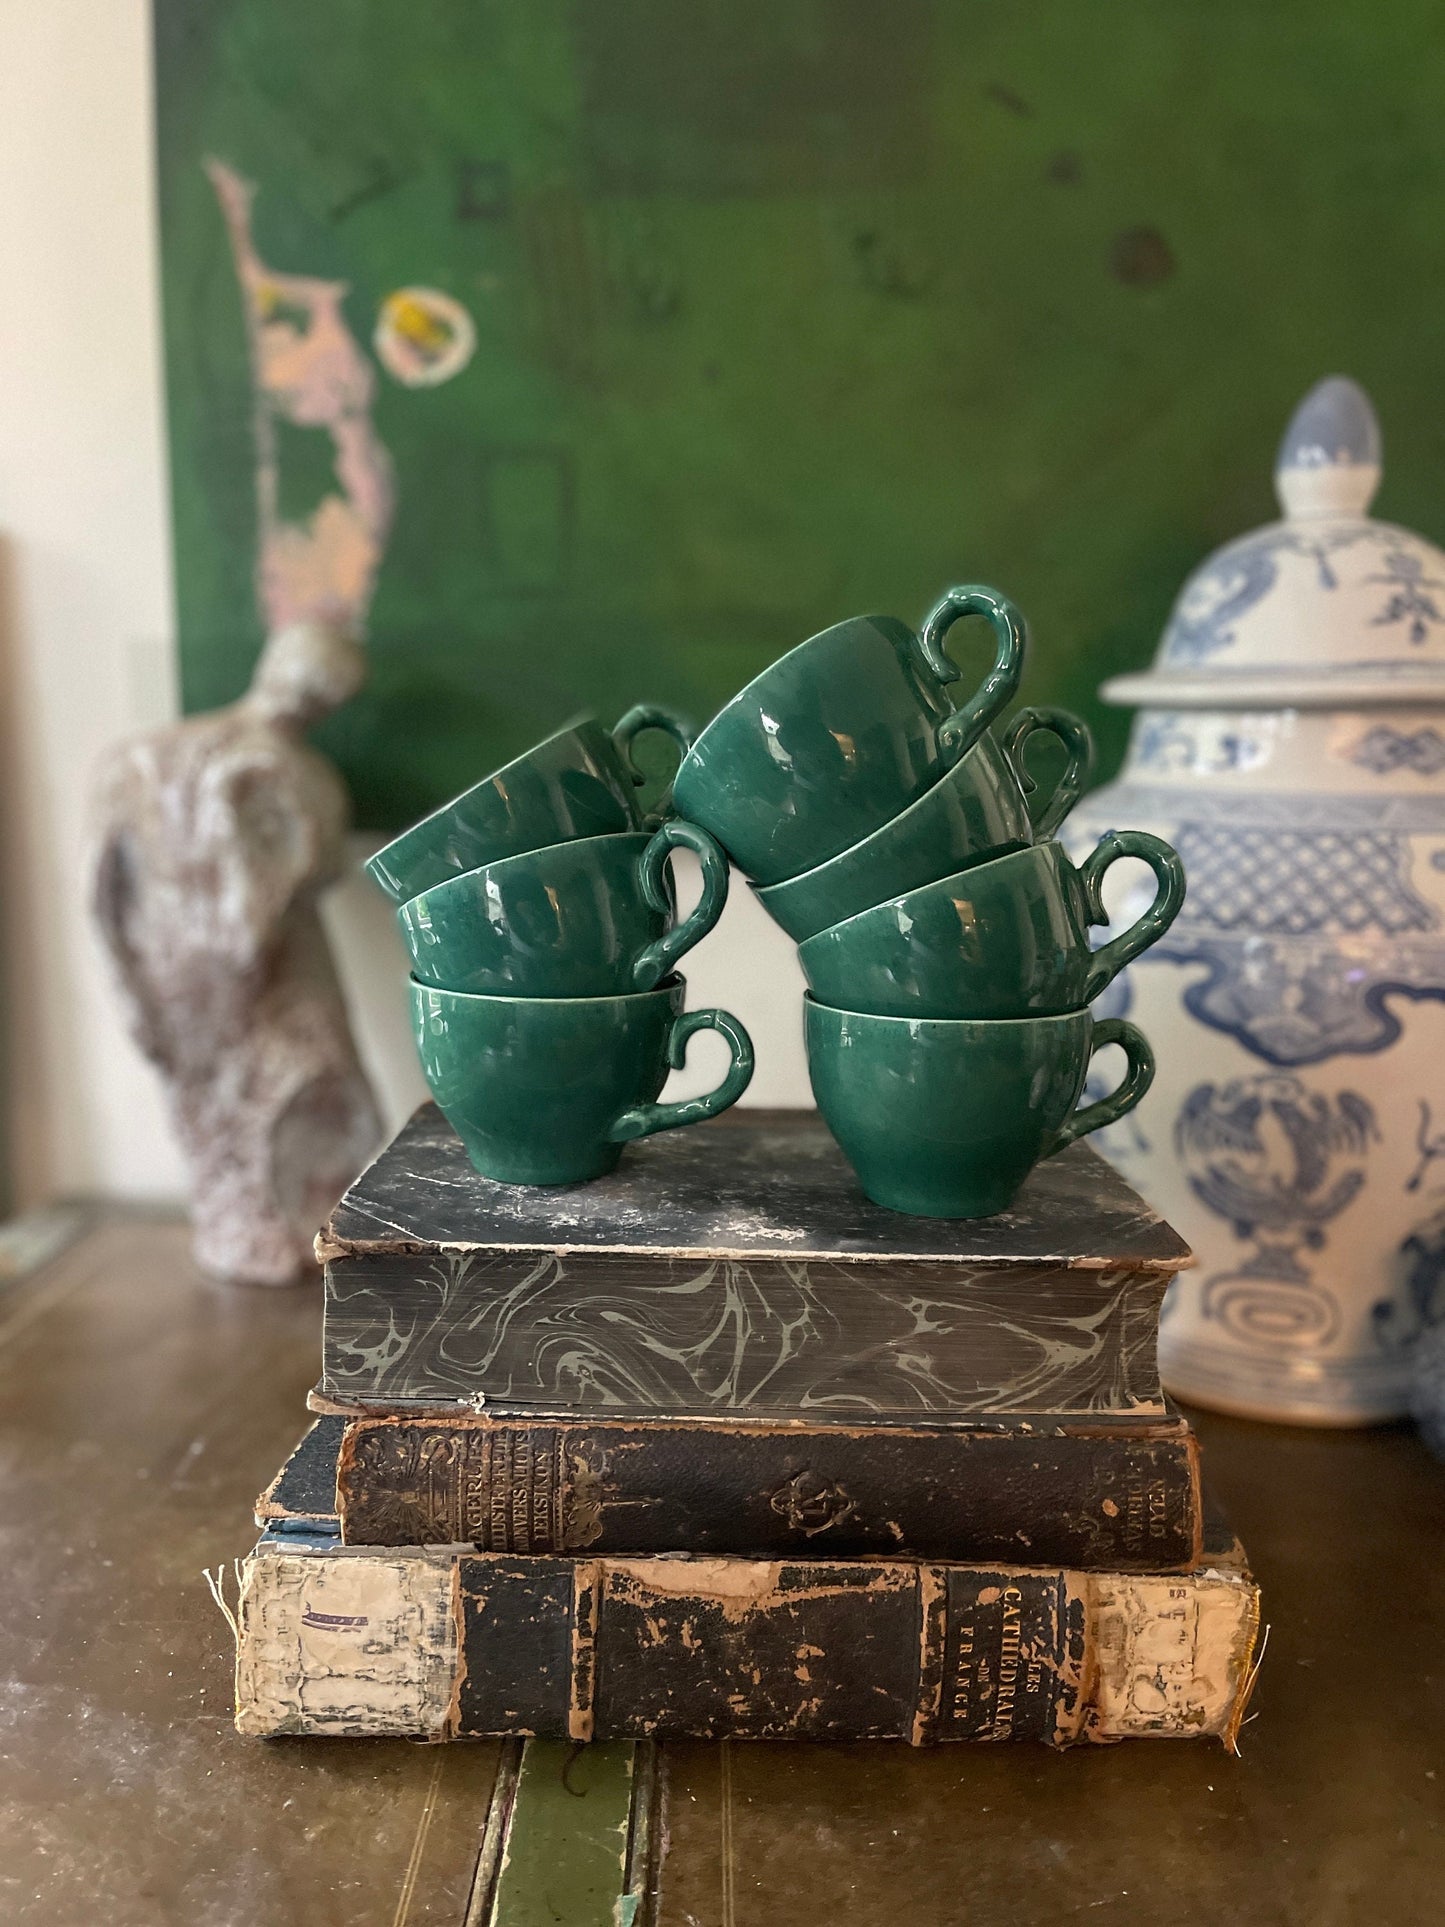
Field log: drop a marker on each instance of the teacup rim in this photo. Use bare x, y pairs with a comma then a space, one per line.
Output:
934, 883
522, 856
957, 1023
442, 809
739, 696
669, 987
765, 890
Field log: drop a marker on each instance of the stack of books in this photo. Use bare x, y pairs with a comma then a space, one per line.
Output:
715, 1447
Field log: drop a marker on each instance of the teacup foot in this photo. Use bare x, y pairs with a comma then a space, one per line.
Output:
543, 1173
920, 1204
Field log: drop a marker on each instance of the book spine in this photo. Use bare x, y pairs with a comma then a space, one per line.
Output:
1098, 1501
450, 1645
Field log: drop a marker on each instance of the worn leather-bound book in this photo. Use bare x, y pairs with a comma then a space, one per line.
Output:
1100, 1495
445, 1643
737, 1268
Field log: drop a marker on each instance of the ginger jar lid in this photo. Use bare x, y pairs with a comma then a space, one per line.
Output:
1326, 608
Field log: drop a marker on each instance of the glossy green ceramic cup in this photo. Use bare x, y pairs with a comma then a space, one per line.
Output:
975, 812
580, 782
1008, 938
547, 1090
840, 734
589, 918
945, 1119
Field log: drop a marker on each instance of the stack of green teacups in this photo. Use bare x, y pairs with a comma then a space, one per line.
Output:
540, 918
943, 935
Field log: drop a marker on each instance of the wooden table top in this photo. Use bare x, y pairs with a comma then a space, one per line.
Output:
142, 1407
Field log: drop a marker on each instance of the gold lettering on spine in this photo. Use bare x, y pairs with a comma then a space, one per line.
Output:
1158, 1510
499, 1538
544, 1483
1134, 1518
522, 1473
1008, 1663
960, 1687
499, 1488
475, 1499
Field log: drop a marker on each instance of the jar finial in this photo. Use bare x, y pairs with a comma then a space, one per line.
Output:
1329, 460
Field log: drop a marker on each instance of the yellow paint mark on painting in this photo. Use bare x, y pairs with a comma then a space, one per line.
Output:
424, 336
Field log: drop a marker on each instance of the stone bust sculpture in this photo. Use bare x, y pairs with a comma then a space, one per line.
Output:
213, 839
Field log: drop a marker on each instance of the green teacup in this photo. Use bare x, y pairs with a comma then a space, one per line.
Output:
945, 1119
975, 812
580, 782
547, 1090
587, 918
1008, 938
840, 734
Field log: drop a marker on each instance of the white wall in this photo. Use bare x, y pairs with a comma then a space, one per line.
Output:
747, 966
86, 645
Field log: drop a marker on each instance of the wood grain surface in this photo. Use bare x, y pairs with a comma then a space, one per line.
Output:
141, 1410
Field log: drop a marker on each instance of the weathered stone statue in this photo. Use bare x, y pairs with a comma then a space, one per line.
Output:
213, 840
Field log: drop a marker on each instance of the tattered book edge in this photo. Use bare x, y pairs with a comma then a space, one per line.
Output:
1148, 1418
271, 1687
330, 1244
295, 1612
331, 1250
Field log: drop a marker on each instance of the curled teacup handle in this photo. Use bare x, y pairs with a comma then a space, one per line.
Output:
1137, 1079
643, 1119
1073, 732
958, 733
652, 964
628, 728
1110, 958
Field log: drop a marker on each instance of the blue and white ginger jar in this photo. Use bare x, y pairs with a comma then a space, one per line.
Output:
1291, 745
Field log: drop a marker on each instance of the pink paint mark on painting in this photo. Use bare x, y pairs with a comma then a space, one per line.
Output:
309, 371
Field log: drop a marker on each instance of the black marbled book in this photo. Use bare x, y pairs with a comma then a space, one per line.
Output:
736, 1269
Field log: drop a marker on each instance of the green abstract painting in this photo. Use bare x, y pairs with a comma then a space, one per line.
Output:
588, 351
